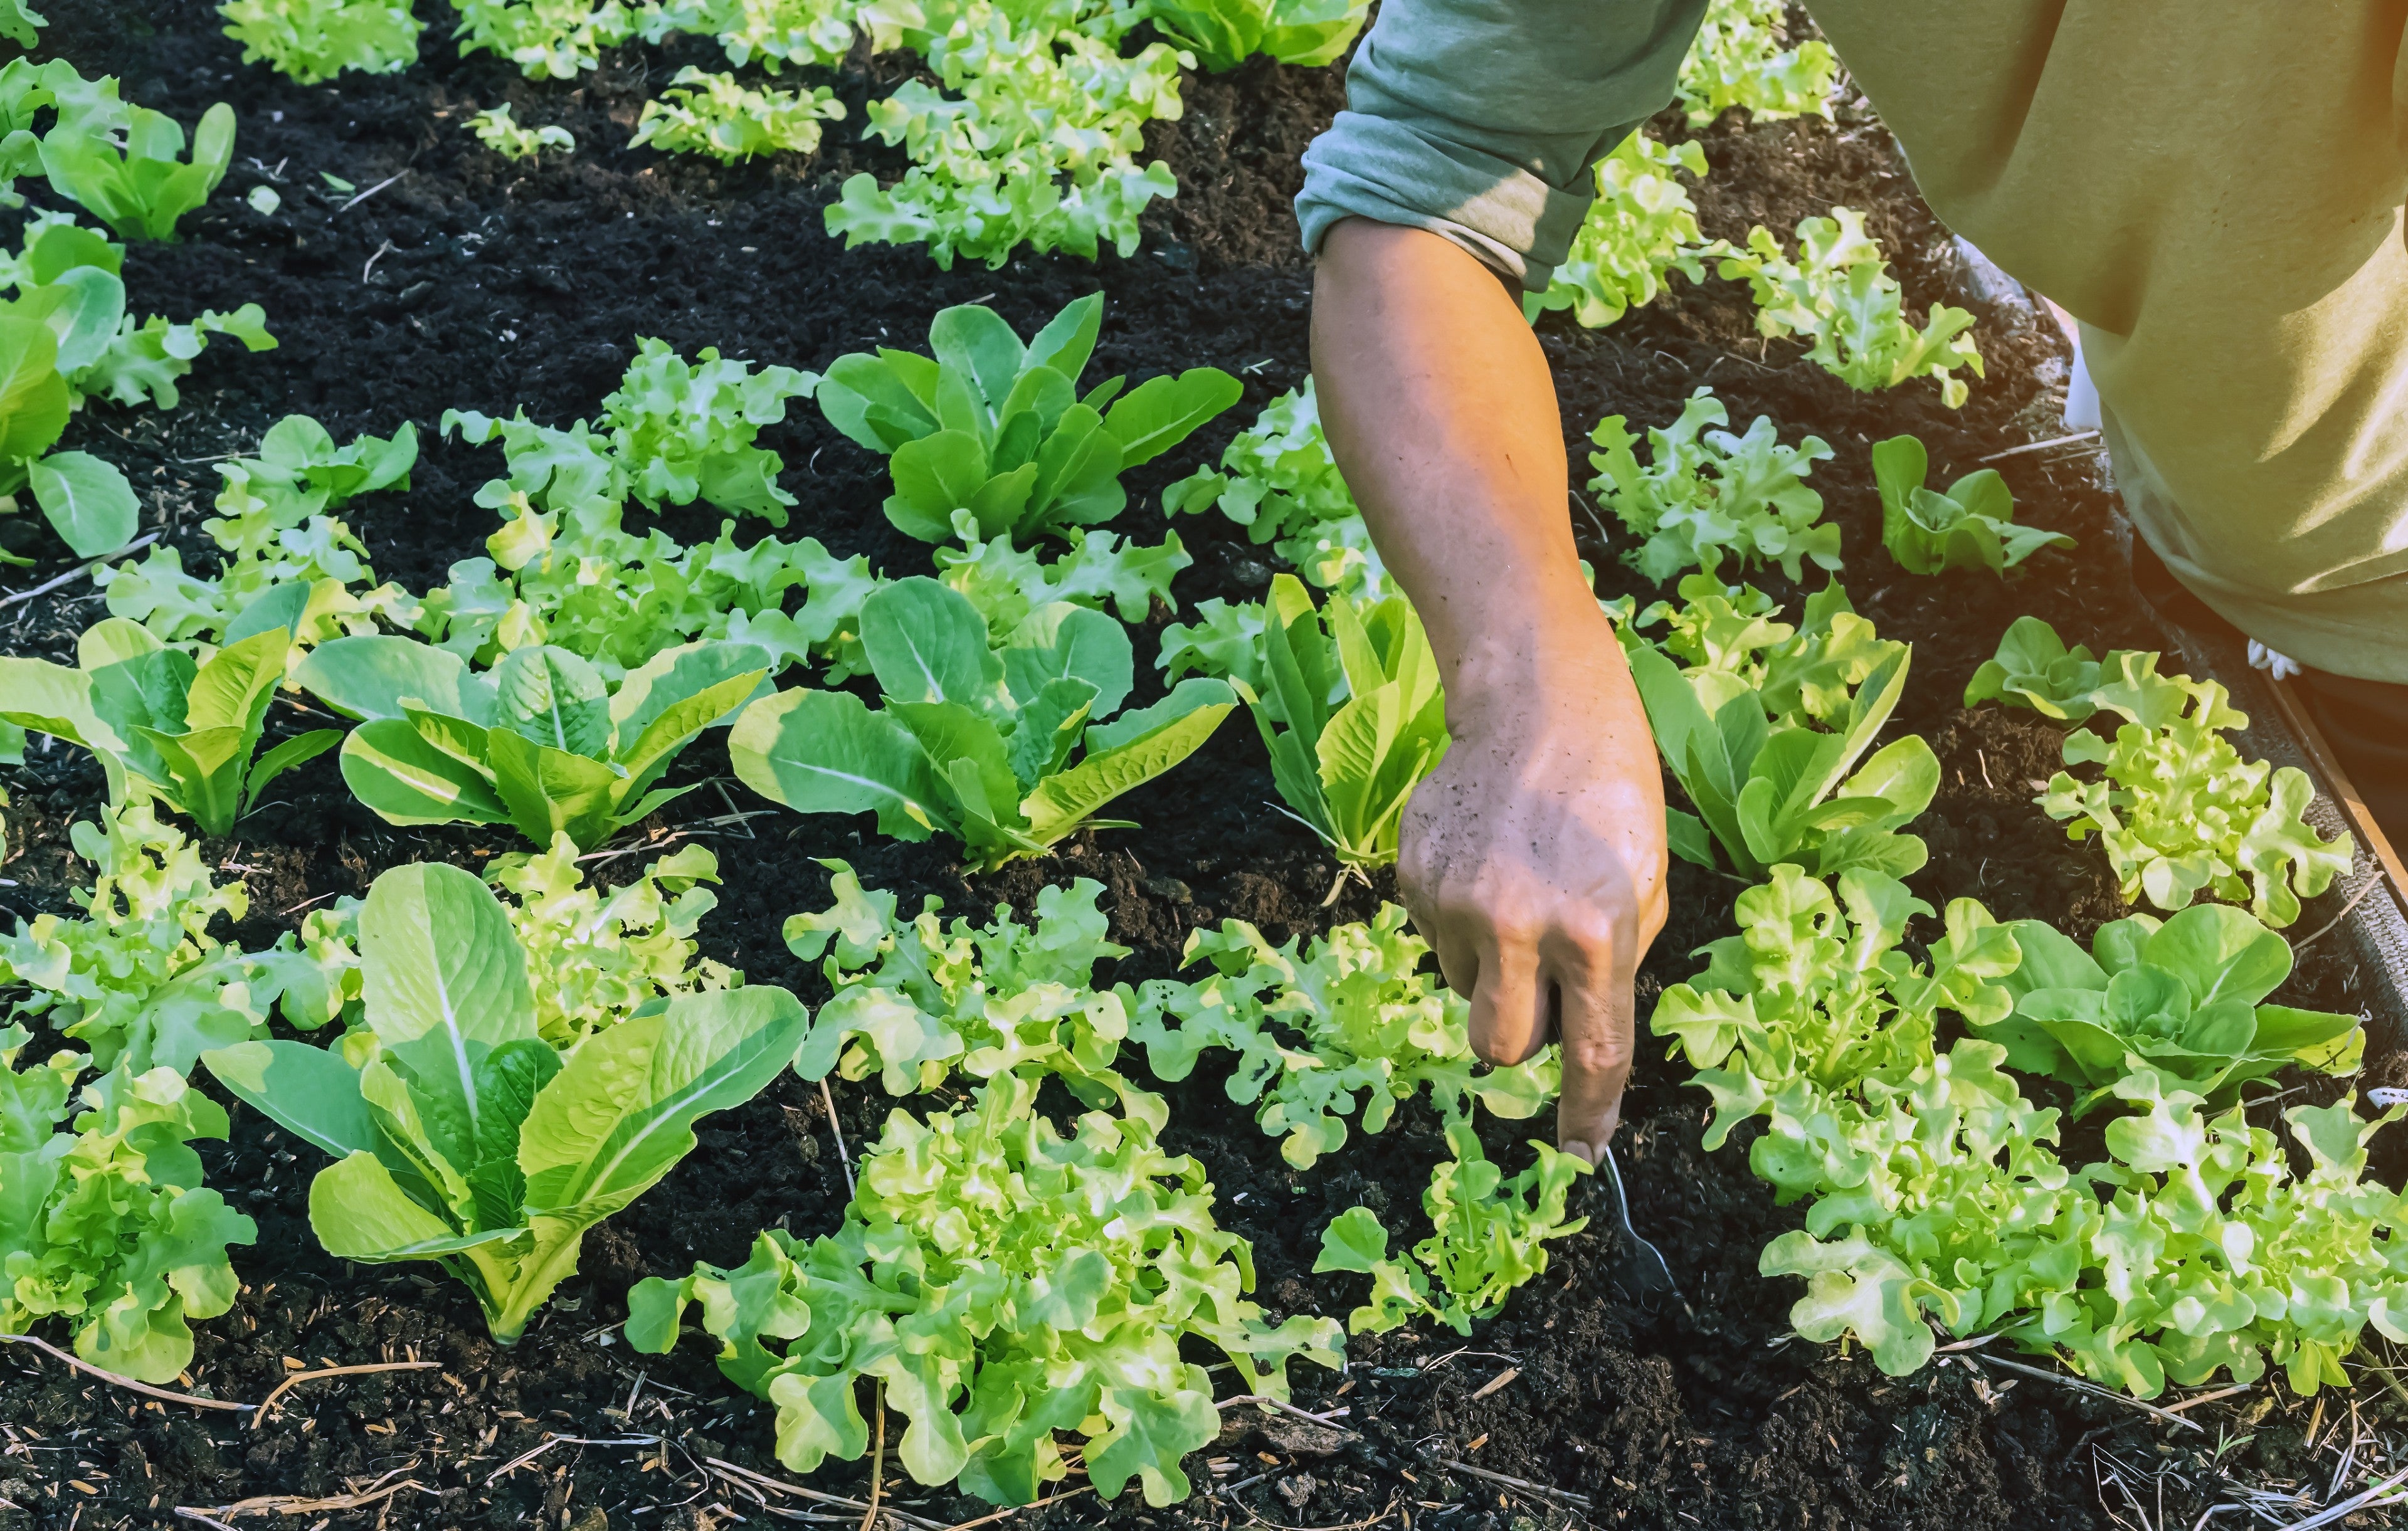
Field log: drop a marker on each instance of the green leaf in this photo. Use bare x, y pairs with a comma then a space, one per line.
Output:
2220, 953
1161, 412
298, 750
86, 500
927, 643
820, 751
1064, 642
310, 1092
1126, 753
935, 476
405, 780
553, 698
33, 397
1068, 339
359, 1213
551, 791
368, 677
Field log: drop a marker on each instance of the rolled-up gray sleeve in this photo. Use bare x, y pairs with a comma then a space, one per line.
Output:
1479, 120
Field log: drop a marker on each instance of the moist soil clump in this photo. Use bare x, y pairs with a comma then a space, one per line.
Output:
461, 282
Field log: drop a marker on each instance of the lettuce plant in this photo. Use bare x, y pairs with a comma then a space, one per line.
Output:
1713, 491
1730, 644
1770, 785
1037, 142
459, 1133
1224, 34
1352, 714
285, 560
915, 1002
546, 39
162, 726
2034, 669
975, 738
133, 175
1840, 298
1489, 1235
2194, 1249
997, 428
1101, 572
606, 955
1003, 1284
685, 430
2178, 809
773, 33
1739, 60
706, 113
498, 131
1351, 1015
1278, 480
104, 1221
138, 980
1970, 526
1225, 641
541, 742
1641, 227
315, 40
2179, 999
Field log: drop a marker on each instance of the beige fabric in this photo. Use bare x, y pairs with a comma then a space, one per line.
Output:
2213, 188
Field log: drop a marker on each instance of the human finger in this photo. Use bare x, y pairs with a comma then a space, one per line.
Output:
1509, 1022
1595, 1019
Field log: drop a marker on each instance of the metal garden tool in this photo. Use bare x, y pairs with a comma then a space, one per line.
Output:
1639, 1272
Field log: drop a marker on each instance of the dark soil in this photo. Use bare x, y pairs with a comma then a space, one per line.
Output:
466, 283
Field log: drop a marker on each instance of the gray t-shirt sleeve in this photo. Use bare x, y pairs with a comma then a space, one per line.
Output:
1479, 120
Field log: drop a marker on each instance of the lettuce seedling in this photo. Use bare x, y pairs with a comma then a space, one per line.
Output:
1970, 526
1768, 785
1279, 481
1226, 641
133, 177
706, 113
2179, 999
997, 428
1224, 34
286, 561
498, 131
1710, 492
605, 955
914, 1002
2178, 809
1352, 714
1641, 227
683, 430
1489, 1235
2034, 669
20, 24
314, 40
773, 33
1840, 297
1003, 1284
546, 39
1739, 60
975, 740
106, 1224
1351, 1015
541, 742
459, 1135
161, 724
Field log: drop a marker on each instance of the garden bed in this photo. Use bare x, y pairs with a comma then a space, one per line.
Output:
467, 283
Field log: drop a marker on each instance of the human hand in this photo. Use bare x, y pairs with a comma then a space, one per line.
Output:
1533, 859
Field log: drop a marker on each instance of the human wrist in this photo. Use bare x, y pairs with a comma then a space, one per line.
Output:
1549, 658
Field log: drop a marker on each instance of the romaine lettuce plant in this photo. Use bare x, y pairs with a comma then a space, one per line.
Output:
2034, 669
104, 1221
459, 1135
1641, 227
2178, 809
1840, 297
1489, 1235
1739, 60
975, 740
914, 1002
1002, 1283
1224, 34
997, 428
1713, 492
1352, 714
1278, 480
132, 174
1970, 526
161, 724
315, 40
2181, 998
1767, 784
1351, 1015
541, 742
713, 114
